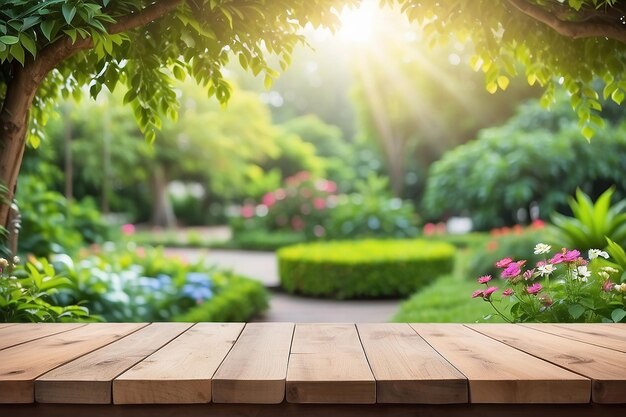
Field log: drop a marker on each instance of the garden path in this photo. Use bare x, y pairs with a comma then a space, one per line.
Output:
262, 266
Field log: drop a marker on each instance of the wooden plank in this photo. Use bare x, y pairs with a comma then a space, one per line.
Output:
498, 373
606, 367
3, 325
328, 365
407, 369
25, 332
255, 369
88, 379
608, 335
181, 371
20, 365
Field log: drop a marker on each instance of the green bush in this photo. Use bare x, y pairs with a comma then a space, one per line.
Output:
531, 162
592, 223
263, 240
240, 300
366, 268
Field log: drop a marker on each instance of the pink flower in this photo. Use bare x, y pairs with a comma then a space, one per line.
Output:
538, 224
319, 203
571, 256
128, 229
528, 274
269, 199
556, 259
534, 289
540, 264
502, 263
512, 270
607, 286
280, 194
484, 279
508, 292
429, 229
331, 186
247, 211
487, 293
477, 293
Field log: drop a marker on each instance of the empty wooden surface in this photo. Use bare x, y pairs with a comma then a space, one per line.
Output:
180, 372
88, 379
433, 368
606, 367
328, 365
498, 373
612, 336
407, 369
30, 331
255, 369
21, 364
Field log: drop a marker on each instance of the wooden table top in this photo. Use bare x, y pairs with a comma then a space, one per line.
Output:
273, 363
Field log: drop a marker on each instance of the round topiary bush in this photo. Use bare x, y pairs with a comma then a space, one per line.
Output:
363, 269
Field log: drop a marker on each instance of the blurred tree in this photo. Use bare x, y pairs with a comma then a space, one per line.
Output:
57, 47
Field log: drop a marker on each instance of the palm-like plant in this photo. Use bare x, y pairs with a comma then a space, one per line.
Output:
592, 223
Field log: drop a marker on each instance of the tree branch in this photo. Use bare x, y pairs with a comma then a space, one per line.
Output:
63, 48
574, 30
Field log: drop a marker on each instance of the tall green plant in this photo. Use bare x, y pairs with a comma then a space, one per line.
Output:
592, 223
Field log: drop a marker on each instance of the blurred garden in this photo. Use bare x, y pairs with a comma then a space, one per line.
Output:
401, 154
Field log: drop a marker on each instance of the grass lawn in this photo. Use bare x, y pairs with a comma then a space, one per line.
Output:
447, 300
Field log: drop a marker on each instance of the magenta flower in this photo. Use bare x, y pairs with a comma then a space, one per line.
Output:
484, 279
534, 289
487, 293
128, 229
269, 199
512, 270
508, 292
477, 293
319, 203
503, 263
540, 263
529, 274
571, 256
556, 259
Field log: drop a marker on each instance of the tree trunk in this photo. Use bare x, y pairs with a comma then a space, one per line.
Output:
21, 90
163, 212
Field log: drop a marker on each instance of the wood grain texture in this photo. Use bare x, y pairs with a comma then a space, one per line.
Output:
407, 369
21, 364
606, 367
608, 335
88, 379
25, 332
498, 373
180, 372
328, 365
255, 369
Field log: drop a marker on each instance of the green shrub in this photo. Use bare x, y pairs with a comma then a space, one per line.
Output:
240, 300
263, 240
366, 268
592, 223
527, 163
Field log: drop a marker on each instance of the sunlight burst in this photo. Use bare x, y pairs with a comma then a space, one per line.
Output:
357, 25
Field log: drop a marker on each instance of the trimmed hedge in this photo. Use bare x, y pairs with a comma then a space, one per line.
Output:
363, 269
240, 300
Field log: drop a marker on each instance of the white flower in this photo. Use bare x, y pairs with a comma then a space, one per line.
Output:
609, 270
16, 260
542, 248
583, 272
546, 269
620, 287
604, 274
594, 253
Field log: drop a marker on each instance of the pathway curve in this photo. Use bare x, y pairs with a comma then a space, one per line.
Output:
286, 307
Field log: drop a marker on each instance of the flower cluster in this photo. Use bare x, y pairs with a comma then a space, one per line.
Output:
563, 287
299, 206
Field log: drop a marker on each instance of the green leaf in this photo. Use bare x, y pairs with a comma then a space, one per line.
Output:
9, 40
28, 44
69, 11
618, 315
576, 310
588, 132
18, 52
46, 28
617, 96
